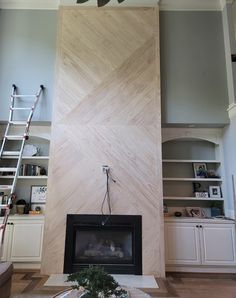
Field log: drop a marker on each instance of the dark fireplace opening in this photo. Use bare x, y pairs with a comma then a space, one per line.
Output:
114, 242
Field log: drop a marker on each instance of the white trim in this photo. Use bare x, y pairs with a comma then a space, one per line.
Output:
232, 110
187, 5
229, 213
201, 269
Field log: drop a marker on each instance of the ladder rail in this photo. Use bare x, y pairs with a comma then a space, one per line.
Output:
9, 119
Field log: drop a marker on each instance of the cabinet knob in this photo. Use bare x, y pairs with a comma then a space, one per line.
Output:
197, 226
200, 226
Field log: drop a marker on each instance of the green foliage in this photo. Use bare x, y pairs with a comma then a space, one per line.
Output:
97, 282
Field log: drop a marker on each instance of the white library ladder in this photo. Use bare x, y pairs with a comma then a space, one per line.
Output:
17, 105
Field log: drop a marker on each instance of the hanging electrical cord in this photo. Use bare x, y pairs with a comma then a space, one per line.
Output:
107, 197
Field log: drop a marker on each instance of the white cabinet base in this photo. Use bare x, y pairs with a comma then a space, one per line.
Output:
201, 269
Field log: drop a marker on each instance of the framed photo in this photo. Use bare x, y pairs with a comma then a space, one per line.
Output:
214, 191
194, 211
200, 170
38, 194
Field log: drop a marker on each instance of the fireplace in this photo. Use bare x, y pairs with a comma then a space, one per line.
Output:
114, 242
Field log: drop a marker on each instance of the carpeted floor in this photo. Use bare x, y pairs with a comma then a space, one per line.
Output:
28, 283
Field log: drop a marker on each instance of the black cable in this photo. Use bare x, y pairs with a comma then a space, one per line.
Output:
107, 197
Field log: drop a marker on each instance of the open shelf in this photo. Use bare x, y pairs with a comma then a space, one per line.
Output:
28, 157
193, 199
24, 177
190, 161
193, 179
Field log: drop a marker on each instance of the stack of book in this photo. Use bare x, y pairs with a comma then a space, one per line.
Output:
31, 170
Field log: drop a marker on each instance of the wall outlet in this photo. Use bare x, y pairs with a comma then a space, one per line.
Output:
105, 169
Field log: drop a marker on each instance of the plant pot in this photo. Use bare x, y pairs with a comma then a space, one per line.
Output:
85, 295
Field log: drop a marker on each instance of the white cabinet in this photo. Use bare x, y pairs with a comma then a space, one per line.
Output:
24, 238
197, 243
218, 244
182, 244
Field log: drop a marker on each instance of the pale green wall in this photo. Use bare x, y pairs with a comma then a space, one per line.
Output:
193, 72
27, 56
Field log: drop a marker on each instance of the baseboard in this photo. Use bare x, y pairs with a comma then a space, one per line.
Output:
27, 265
201, 269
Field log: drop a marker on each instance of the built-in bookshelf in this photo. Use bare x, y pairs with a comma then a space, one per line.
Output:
183, 152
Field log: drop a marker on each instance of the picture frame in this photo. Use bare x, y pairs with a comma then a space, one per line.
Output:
194, 212
38, 194
200, 170
215, 191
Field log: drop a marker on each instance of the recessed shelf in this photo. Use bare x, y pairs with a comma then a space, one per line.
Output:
192, 199
190, 161
28, 157
193, 179
24, 177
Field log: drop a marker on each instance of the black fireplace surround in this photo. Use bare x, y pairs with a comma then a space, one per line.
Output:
112, 241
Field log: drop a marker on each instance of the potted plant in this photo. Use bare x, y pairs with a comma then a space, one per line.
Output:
96, 283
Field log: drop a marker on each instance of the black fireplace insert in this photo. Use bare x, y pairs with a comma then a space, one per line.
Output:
112, 241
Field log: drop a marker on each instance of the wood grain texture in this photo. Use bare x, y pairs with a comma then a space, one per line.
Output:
106, 111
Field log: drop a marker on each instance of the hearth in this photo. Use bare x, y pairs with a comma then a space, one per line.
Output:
114, 242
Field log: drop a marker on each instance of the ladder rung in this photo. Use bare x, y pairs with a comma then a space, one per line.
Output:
14, 138
21, 96
8, 169
4, 206
21, 109
5, 187
18, 122
11, 153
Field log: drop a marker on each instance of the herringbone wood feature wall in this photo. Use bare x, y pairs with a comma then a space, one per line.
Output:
106, 111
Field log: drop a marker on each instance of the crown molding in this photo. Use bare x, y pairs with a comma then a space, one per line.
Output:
182, 5
54, 4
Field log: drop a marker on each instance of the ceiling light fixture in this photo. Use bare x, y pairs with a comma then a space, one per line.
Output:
100, 2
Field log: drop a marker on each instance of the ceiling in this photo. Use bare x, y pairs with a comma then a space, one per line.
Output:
164, 4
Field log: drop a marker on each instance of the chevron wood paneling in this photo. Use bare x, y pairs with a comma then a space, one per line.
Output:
106, 111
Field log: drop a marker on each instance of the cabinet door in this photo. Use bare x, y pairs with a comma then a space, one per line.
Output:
182, 244
26, 244
6, 243
218, 244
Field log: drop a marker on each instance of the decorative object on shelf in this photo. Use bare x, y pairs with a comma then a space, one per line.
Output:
38, 194
32, 170
95, 283
216, 209
215, 191
165, 210
178, 214
212, 174
201, 194
200, 170
30, 150
20, 206
194, 212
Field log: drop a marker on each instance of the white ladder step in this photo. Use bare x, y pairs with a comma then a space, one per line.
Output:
18, 122
8, 169
11, 153
21, 109
21, 96
14, 138
4, 206
5, 187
